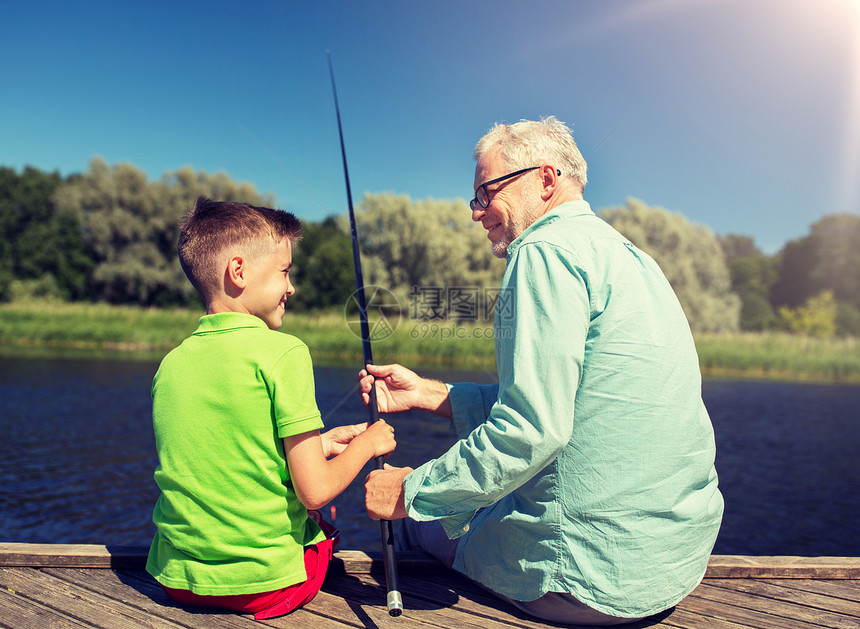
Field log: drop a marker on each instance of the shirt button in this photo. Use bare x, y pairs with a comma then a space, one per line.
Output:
466, 529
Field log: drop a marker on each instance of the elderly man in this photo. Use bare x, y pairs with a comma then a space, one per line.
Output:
582, 489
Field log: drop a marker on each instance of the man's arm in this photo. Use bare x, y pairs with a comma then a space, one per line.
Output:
541, 351
399, 389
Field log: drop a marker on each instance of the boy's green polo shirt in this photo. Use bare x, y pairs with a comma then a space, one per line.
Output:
229, 520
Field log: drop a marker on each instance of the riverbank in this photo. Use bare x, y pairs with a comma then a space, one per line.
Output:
58, 327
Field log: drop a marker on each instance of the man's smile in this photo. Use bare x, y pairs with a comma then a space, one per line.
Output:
491, 227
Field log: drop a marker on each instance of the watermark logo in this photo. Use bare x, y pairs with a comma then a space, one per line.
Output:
465, 304
438, 312
451, 331
383, 313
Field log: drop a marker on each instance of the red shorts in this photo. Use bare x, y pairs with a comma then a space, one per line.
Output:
279, 602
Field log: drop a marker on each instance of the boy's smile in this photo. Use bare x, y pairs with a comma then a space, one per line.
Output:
268, 285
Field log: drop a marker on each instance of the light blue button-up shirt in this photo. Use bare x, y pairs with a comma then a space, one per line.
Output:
592, 461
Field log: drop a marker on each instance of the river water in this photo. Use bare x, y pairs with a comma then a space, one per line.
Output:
77, 456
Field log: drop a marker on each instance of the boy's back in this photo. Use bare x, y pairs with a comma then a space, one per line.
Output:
228, 395
237, 428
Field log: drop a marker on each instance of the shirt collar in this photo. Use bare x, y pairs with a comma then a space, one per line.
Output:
565, 210
224, 321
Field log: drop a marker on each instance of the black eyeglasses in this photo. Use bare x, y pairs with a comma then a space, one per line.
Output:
482, 197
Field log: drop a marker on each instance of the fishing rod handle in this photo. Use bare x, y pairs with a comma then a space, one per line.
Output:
395, 601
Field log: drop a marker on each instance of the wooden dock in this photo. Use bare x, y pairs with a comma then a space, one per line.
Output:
47, 586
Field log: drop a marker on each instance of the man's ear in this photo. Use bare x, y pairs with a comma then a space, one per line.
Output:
235, 273
549, 177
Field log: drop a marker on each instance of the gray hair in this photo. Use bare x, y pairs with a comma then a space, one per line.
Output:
530, 143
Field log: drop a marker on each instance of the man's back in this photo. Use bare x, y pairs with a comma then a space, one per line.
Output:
598, 372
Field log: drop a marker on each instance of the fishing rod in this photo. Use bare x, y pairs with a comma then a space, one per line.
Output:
395, 602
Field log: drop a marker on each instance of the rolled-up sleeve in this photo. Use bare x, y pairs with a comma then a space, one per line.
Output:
471, 404
510, 433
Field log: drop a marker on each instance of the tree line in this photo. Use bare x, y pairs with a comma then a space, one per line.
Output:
109, 234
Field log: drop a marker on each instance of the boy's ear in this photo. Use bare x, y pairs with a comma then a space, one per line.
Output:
235, 274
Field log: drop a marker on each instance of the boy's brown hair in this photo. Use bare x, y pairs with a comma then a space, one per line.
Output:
212, 226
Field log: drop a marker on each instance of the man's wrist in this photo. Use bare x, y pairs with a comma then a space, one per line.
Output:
434, 397
400, 507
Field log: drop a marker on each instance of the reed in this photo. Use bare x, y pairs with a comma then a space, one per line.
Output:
779, 355
53, 326
93, 326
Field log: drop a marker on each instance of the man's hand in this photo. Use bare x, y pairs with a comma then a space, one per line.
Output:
399, 389
383, 493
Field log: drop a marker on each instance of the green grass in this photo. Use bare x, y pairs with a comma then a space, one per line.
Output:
93, 326
51, 327
780, 355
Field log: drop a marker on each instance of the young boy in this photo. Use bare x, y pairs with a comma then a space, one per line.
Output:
241, 458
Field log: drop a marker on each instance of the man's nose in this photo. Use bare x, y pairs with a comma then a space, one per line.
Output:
478, 213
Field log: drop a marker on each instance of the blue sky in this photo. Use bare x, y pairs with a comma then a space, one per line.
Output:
743, 115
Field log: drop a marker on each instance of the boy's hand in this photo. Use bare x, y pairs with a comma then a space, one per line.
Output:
334, 441
380, 437
397, 388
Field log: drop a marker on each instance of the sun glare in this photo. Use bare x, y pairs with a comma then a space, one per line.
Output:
849, 176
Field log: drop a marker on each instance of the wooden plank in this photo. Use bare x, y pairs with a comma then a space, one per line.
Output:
786, 592
685, 619
749, 567
332, 608
14, 554
72, 555
472, 599
718, 608
147, 597
455, 601
335, 603
338, 601
793, 595
460, 596
140, 590
70, 600
845, 589
329, 609
442, 610
359, 601
19, 613
359, 562
741, 594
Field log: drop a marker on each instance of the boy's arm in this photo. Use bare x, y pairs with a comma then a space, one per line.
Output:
316, 480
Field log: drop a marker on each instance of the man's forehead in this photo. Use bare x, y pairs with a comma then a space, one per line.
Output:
487, 164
